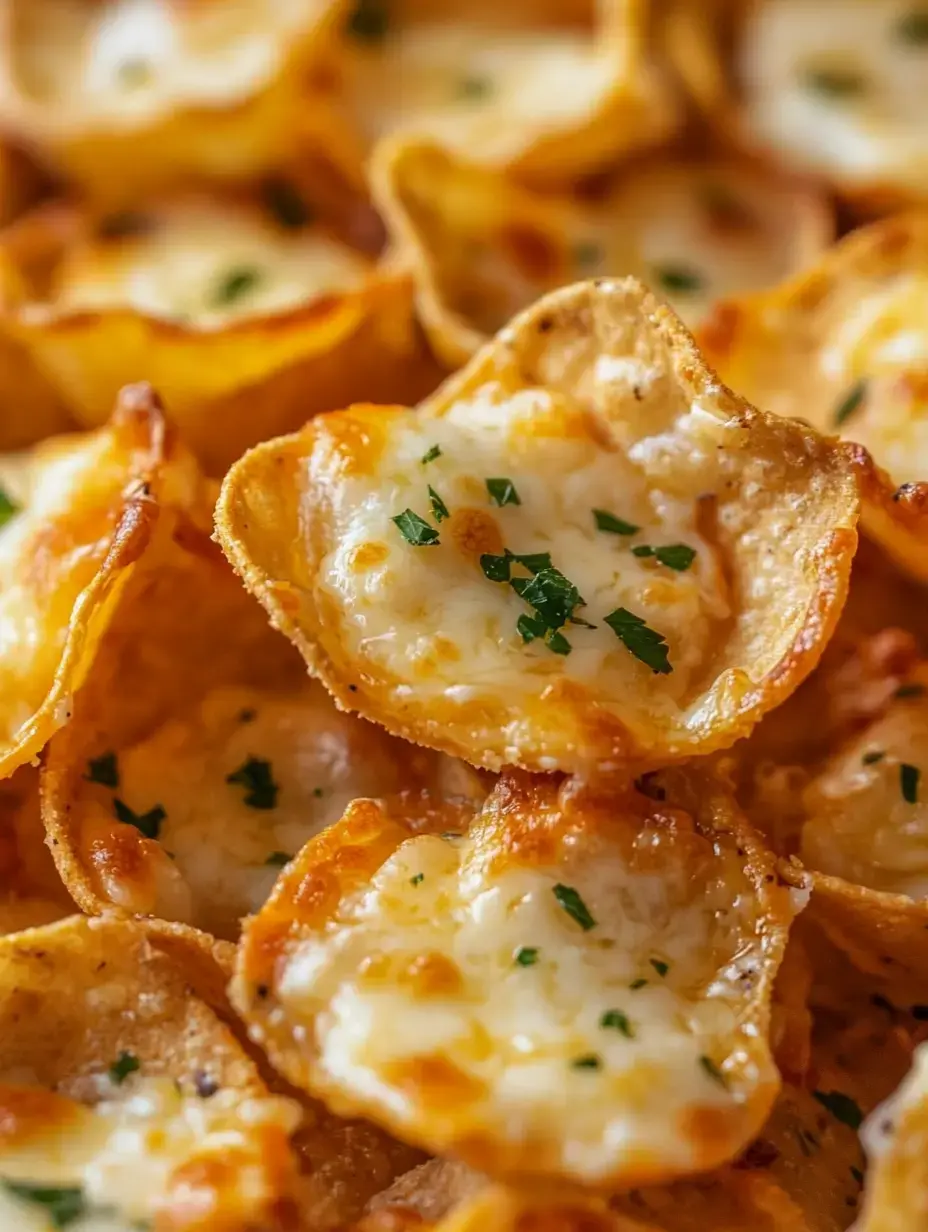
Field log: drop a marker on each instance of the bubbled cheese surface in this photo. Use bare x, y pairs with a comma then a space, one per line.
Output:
839, 89
206, 266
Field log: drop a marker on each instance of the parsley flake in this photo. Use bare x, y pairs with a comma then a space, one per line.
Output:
417, 879
526, 956
841, 1107
254, 774
530, 627
496, 568
551, 594
415, 530
908, 782
639, 983
659, 966
574, 905
8, 507
369, 21
676, 556
643, 642
503, 492
234, 284
612, 525
851, 402
430, 455
286, 204
857, 1175
642, 549
713, 1071
277, 859
148, 823
912, 28
63, 1204
589, 1061
679, 278
124, 1065
834, 82
103, 770
439, 508
615, 1020
871, 758
557, 643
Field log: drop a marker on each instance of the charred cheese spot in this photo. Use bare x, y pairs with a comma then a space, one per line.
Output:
400, 997
206, 265
838, 90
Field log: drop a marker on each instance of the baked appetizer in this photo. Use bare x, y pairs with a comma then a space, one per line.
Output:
562, 983
167, 91
549, 90
481, 248
76, 514
246, 314
896, 1138
583, 551
844, 347
199, 758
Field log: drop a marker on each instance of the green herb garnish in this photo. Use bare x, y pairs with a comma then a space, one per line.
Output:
676, 556
639, 983
526, 956
8, 507
417, 879
659, 966
857, 1175
678, 278
286, 204
908, 782
612, 525
234, 284
574, 905
643, 642
713, 1071
63, 1205
871, 758
841, 1107
277, 859
369, 21
913, 28
849, 403
104, 770
615, 1020
439, 508
124, 1065
415, 530
431, 454
551, 594
834, 82
148, 823
557, 643
530, 627
503, 492
589, 1061
255, 776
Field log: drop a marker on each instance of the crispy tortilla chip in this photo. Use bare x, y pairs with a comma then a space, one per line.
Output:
124, 1097
896, 1138
588, 437
482, 248
77, 513
550, 987
199, 758
844, 346
247, 316
550, 91
125, 100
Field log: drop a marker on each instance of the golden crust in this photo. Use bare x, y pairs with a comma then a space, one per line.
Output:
31, 892
467, 993
611, 379
896, 1137
227, 101
235, 317
482, 248
838, 346
478, 77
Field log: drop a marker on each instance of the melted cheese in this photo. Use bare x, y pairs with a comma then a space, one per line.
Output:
217, 856
552, 991
839, 89
125, 64
205, 265
861, 827
130, 1153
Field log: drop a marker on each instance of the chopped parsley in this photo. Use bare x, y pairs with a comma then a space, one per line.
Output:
368, 21
676, 556
612, 525
148, 823
551, 594
834, 82
908, 782
474, 87
431, 454
857, 1175
415, 530
912, 28
643, 642
8, 507
234, 284
104, 770
910, 690
615, 1020
254, 774
63, 1205
713, 1071
417, 879
871, 758
503, 492
639, 983
318, 793
286, 204
526, 956
841, 1107
557, 642
499, 568
587, 254
849, 403
589, 1061
659, 966
678, 278
277, 859
439, 508
574, 905
530, 627
124, 1065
